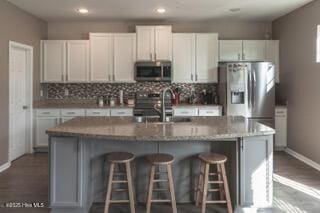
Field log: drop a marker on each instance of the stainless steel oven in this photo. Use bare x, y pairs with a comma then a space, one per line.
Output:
153, 71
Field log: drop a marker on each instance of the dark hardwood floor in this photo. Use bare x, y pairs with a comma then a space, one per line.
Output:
296, 187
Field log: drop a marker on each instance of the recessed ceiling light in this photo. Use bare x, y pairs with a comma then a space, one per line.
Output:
235, 9
83, 10
161, 10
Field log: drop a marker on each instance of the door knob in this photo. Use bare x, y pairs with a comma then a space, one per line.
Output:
25, 107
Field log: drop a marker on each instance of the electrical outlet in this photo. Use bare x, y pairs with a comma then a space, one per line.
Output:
66, 92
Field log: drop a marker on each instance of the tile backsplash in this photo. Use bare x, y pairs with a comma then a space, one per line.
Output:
95, 90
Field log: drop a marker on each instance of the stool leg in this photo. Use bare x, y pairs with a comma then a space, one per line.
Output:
200, 183
221, 188
130, 187
226, 187
171, 187
109, 189
205, 188
152, 172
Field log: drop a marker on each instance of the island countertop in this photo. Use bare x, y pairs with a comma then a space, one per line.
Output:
125, 128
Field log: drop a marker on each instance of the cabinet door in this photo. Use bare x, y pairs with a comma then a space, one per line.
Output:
256, 171
272, 55
163, 43
124, 57
254, 50
145, 43
206, 58
42, 124
281, 128
77, 61
53, 61
230, 50
184, 58
101, 57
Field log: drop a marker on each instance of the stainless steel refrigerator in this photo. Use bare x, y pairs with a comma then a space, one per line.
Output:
248, 89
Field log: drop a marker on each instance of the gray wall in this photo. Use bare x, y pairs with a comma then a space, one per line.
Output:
300, 77
226, 29
19, 26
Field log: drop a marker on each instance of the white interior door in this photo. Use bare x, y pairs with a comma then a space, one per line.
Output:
20, 61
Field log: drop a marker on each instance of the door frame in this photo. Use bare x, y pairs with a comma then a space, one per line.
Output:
29, 99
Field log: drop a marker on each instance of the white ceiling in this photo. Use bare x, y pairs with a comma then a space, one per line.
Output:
257, 10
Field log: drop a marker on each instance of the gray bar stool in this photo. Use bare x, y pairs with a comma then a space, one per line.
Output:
161, 160
207, 160
118, 158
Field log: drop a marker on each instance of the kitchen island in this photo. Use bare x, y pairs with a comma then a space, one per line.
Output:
78, 167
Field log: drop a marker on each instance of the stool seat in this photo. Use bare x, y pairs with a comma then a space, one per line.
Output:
160, 159
120, 157
213, 158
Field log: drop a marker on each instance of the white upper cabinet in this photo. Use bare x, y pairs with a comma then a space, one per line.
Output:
101, 56
207, 51
230, 50
184, 58
77, 61
53, 61
145, 43
163, 43
124, 57
272, 55
154, 43
254, 50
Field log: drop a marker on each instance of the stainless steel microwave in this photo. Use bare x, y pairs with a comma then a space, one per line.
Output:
153, 71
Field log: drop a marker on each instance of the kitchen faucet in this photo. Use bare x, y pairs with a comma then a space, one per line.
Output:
162, 111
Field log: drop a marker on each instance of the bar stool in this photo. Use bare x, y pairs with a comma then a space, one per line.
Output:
161, 160
208, 159
120, 158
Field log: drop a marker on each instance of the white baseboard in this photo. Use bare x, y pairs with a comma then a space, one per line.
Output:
303, 159
5, 166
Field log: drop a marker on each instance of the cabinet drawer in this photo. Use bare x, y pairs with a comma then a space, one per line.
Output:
72, 112
48, 113
121, 112
209, 112
281, 112
98, 112
185, 112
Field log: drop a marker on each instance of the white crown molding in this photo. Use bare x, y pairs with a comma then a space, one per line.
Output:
303, 159
5, 166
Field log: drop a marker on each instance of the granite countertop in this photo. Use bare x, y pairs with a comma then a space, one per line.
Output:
124, 128
47, 104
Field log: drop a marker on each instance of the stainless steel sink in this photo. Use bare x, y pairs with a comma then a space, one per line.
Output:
142, 119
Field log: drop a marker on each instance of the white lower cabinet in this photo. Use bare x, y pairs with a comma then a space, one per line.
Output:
121, 112
205, 111
42, 124
281, 128
97, 112
185, 112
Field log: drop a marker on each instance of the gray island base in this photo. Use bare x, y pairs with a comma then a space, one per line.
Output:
79, 171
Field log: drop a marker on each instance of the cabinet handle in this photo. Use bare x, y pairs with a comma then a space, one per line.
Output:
191, 77
62, 77
46, 113
121, 113
196, 77
155, 56
239, 56
114, 77
95, 113
71, 113
151, 56
67, 77
108, 77
243, 56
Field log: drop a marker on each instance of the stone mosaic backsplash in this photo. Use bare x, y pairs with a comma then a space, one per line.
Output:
96, 90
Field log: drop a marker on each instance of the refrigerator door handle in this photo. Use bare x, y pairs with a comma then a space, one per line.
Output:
249, 89
254, 82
